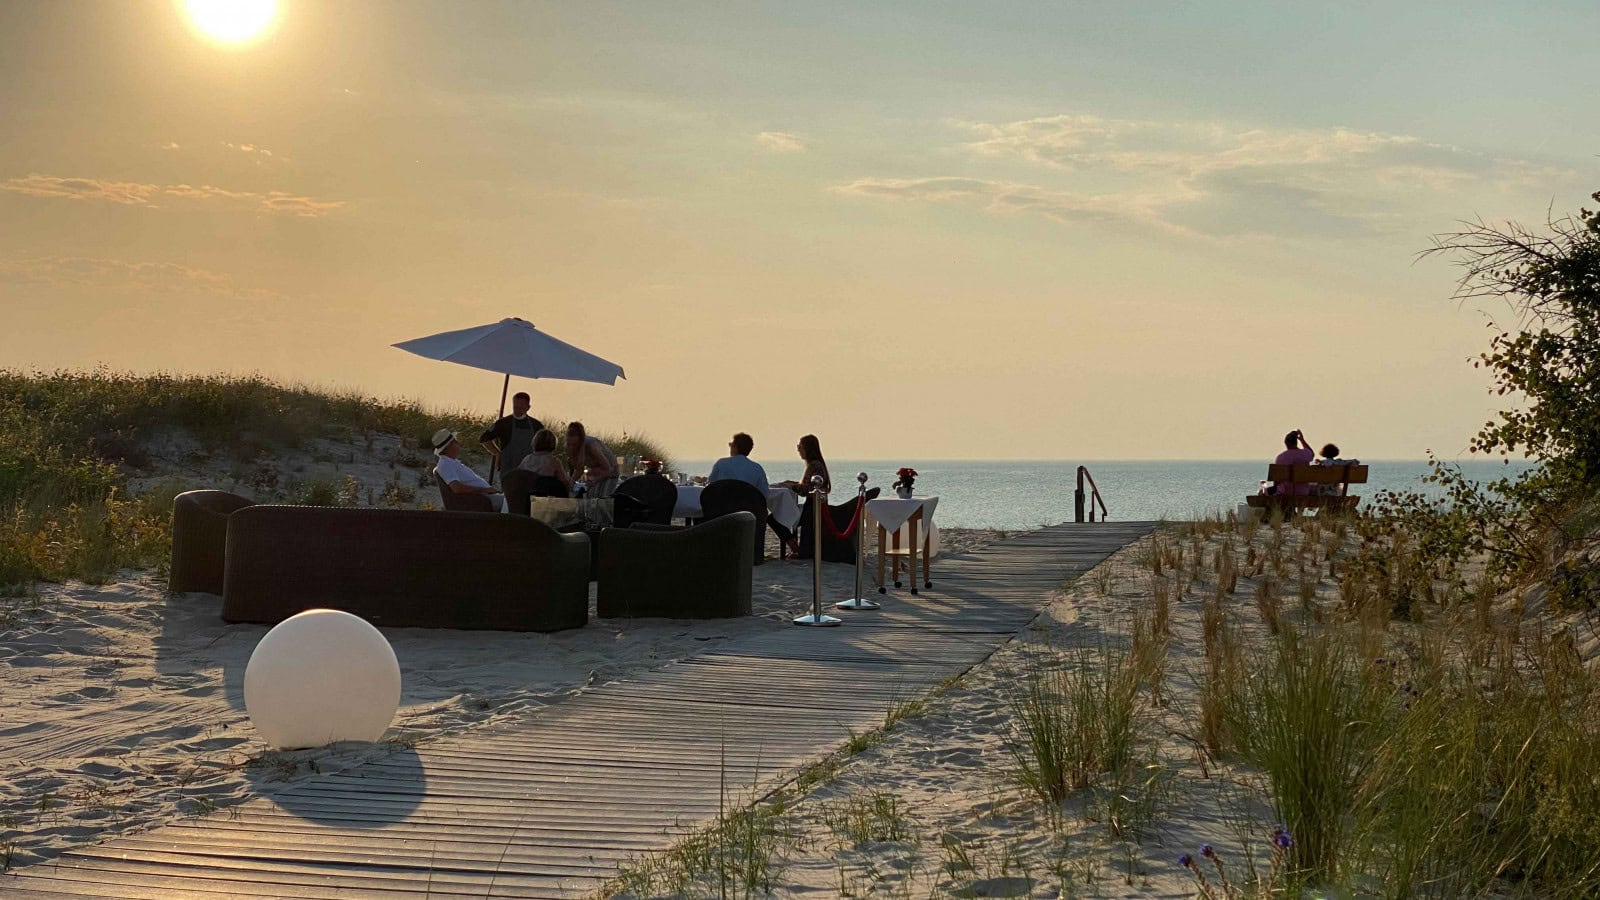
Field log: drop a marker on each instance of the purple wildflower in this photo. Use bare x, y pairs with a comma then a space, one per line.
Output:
1186, 860
1281, 837
1207, 851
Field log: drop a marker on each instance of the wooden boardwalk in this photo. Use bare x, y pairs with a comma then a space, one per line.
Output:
552, 803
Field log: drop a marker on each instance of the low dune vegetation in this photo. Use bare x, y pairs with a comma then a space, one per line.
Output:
90, 461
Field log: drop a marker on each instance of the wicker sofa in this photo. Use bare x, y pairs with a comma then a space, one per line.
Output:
703, 572
200, 538
400, 568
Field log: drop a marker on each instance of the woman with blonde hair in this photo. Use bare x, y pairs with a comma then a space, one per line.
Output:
590, 459
542, 459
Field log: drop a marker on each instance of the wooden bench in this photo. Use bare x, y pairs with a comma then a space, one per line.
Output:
1287, 477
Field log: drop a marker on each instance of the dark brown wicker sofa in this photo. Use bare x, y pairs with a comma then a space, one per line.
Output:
200, 538
398, 567
703, 572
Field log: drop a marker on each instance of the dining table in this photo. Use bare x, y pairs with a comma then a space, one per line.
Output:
568, 513
782, 503
906, 523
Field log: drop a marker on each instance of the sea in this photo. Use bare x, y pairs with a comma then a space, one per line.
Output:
1031, 494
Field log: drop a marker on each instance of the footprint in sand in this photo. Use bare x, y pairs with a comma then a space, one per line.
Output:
99, 770
954, 757
25, 661
75, 697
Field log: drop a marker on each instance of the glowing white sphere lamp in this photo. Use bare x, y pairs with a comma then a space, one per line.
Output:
320, 677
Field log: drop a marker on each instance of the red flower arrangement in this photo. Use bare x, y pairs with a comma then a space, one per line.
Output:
907, 476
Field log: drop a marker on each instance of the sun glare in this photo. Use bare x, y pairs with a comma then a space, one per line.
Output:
232, 21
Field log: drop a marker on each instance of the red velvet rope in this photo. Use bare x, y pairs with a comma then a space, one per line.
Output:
855, 521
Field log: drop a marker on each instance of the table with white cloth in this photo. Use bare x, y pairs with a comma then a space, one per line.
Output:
782, 503
569, 514
909, 523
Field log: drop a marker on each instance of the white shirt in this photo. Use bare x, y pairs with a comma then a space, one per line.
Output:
453, 470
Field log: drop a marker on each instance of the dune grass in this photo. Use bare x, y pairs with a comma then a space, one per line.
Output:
1413, 741
70, 440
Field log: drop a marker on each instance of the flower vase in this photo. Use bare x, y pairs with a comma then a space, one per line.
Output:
903, 491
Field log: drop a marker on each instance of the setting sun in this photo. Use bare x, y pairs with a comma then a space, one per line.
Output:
232, 21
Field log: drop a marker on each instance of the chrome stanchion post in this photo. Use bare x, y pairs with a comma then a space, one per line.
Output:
857, 601
819, 499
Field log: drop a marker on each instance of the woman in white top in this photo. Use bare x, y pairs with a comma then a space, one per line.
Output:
1330, 457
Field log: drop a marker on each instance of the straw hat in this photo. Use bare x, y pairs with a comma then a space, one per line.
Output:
441, 440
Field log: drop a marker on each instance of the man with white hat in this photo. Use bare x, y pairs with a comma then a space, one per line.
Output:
456, 475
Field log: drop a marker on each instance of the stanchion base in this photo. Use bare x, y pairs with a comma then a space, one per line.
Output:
857, 603
818, 620
927, 584
913, 590
883, 590
897, 584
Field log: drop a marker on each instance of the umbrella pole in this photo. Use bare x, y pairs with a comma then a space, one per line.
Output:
494, 461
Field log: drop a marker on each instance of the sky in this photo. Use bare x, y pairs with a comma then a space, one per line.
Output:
918, 230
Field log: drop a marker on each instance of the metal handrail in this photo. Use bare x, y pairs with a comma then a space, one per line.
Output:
1094, 497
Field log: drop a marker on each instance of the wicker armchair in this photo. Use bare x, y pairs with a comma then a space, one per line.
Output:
462, 502
703, 572
398, 567
200, 538
723, 497
657, 494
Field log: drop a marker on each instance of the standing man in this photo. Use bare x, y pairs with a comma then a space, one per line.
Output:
511, 438
738, 466
459, 479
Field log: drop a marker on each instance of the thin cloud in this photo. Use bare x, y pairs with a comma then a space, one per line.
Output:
1213, 178
1010, 197
780, 142
260, 153
149, 195
123, 192
117, 274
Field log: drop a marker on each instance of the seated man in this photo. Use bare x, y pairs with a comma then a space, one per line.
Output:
739, 466
455, 474
1296, 453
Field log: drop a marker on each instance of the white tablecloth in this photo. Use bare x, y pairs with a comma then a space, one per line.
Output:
563, 512
892, 513
782, 503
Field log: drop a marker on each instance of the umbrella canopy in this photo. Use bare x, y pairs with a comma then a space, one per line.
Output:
515, 347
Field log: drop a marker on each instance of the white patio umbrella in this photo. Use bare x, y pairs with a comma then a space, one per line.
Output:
514, 347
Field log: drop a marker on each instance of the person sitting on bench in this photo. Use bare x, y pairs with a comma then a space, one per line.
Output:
456, 475
1330, 457
1296, 453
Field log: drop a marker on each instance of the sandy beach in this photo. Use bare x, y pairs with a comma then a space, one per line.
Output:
124, 704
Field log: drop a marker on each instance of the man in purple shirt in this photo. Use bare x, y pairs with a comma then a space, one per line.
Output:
1297, 452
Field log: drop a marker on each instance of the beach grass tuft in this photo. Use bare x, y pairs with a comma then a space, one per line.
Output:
1075, 715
